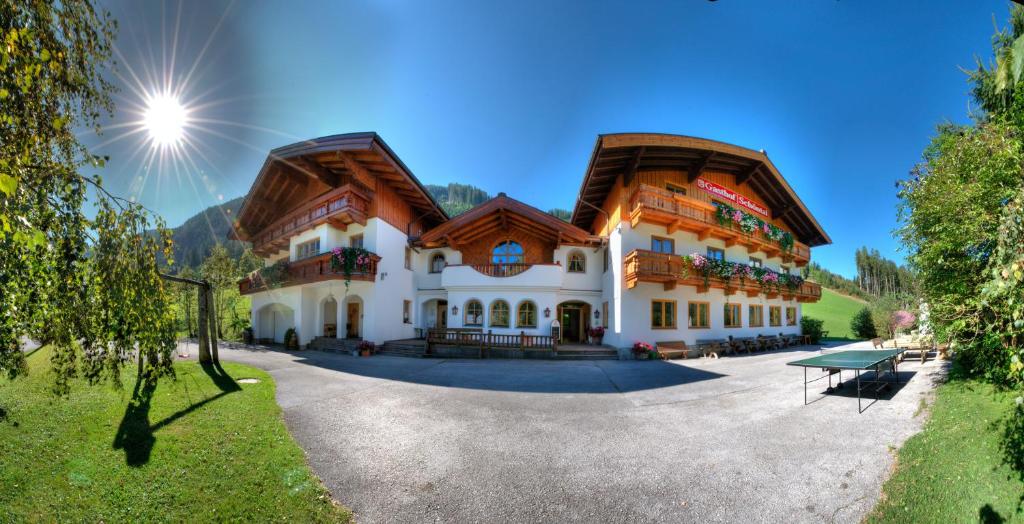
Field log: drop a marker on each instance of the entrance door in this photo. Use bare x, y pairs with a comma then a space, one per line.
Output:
442, 314
571, 324
352, 320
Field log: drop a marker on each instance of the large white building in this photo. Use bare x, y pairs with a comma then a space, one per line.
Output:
672, 238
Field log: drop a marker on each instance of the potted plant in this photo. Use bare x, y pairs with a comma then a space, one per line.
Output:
291, 339
596, 335
642, 350
365, 348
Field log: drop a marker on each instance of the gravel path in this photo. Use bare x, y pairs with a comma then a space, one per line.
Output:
402, 440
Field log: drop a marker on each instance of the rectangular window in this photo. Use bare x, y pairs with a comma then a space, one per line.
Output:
699, 315
663, 314
356, 241
604, 315
756, 262
679, 190
756, 315
408, 258
716, 254
663, 245
307, 249
407, 311
774, 316
732, 316
790, 316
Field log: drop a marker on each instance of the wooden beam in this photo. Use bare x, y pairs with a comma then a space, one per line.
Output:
358, 171
670, 285
311, 169
634, 163
782, 214
744, 176
698, 168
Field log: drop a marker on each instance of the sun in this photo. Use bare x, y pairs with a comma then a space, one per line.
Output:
165, 118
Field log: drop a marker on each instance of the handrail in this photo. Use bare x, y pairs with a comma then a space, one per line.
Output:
310, 269
651, 197
487, 340
346, 197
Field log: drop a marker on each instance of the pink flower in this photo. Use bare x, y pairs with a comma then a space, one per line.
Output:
767, 229
737, 215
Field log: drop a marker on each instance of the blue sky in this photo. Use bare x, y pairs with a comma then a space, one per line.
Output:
510, 96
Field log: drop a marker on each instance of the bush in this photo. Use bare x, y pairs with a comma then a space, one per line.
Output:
291, 339
811, 327
862, 324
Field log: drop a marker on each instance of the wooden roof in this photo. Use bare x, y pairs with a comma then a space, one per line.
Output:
502, 213
627, 153
295, 173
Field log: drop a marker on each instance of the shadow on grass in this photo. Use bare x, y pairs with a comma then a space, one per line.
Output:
988, 515
1012, 446
135, 433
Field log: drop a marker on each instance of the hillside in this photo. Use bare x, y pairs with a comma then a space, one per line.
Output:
835, 310
194, 239
456, 199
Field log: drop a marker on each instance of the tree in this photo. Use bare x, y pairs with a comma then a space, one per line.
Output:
862, 324
89, 287
221, 271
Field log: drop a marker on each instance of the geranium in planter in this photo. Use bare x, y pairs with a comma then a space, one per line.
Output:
596, 335
642, 349
350, 260
365, 348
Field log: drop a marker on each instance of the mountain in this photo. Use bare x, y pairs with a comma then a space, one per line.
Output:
456, 199
194, 239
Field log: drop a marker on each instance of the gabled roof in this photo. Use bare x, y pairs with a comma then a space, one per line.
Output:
297, 172
502, 213
627, 153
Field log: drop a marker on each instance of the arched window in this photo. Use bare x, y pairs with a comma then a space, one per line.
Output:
499, 313
577, 262
437, 263
474, 314
526, 315
507, 252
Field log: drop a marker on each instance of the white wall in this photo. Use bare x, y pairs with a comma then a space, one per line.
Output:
394, 283
423, 278
589, 280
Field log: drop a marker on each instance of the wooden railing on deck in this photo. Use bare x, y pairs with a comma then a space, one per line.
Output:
476, 338
346, 201
311, 269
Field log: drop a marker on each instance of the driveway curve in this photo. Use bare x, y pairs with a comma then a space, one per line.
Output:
401, 440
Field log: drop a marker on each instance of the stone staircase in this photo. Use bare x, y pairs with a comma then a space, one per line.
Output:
403, 348
334, 344
586, 353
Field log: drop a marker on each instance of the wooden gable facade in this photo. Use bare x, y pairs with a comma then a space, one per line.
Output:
339, 179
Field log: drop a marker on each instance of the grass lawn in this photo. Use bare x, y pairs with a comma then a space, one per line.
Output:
836, 311
202, 448
954, 470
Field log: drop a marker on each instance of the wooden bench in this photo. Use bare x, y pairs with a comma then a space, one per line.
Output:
712, 348
672, 349
769, 342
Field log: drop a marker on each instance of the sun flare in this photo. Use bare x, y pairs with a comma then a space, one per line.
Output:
165, 118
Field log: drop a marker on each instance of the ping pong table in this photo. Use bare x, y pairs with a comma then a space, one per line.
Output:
879, 362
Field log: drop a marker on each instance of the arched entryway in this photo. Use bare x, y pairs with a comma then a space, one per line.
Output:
353, 317
574, 317
274, 320
329, 317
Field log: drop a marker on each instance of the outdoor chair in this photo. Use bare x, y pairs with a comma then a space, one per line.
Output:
736, 345
711, 348
876, 343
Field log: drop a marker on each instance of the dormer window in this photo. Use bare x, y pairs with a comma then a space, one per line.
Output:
507, 252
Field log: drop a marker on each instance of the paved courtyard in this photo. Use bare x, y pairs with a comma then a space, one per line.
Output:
400, 440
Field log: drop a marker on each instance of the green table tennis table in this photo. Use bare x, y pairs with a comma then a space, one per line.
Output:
878, 361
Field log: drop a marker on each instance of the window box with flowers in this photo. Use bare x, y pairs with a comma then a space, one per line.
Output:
351, 260
733, 218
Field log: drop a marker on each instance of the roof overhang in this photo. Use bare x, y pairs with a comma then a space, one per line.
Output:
290, 173
626, 154
502, 213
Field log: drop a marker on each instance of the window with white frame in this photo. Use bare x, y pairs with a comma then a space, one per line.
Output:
307, 249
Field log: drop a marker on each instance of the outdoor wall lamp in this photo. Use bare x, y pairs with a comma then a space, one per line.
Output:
547, 312
597, 314
455, 310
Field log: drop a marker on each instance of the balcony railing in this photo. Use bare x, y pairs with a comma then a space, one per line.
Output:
642, 265
312, 269
679, 212
501, 270
340, 207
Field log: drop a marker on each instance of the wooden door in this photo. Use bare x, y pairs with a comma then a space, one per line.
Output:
352, 320
442, 315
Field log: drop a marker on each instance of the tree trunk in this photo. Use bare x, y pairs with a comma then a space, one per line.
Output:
214, 326
204, 326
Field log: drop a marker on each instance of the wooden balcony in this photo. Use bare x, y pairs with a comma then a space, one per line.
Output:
313, 269
671, 270
676, 212
339, 207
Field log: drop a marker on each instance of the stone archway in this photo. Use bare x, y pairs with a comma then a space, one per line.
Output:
328, 327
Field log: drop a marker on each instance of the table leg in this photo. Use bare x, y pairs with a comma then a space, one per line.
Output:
805, 386
859, 409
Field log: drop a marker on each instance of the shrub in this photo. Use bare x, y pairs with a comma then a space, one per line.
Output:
640, 348
863, 325
291, 339
811, 327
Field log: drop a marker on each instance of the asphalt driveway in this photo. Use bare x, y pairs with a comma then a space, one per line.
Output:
401, 440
